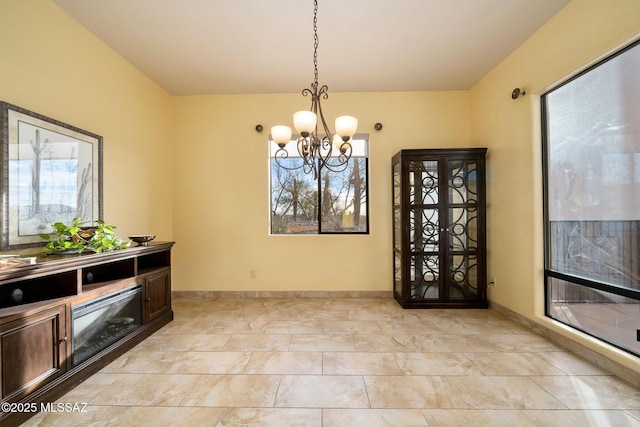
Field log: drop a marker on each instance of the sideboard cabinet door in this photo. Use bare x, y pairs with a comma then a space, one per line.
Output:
157, 294
33, 351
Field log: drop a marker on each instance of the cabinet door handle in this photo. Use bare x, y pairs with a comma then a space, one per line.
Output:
148, 300
63, 339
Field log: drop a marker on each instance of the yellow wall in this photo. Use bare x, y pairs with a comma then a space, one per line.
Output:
582, 32
51, 65
221, 208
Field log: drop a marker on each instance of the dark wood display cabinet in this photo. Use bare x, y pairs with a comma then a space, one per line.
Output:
439, 249
66, 317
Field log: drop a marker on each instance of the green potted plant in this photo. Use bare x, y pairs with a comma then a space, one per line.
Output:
76, 238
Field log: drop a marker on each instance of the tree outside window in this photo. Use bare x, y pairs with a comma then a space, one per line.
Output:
337, 202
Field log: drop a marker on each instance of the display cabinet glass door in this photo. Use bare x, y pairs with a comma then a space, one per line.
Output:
424, 229
462, 229
397, 229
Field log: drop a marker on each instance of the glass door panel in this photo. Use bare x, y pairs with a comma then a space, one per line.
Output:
397, 228
423, 182
462, 181
424, 277
424, 225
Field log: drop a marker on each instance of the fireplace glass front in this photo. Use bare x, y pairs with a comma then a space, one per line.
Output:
99, 323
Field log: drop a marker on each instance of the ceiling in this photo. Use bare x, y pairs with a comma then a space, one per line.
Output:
198, 47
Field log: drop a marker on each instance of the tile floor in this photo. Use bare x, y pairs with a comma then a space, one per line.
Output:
345, 362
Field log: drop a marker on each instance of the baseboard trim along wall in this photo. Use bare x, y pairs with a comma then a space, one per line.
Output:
282, 294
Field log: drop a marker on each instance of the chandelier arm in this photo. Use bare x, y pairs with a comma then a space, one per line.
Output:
341, 166
310, 167
322, 120
281, 155
307, 165
306, 150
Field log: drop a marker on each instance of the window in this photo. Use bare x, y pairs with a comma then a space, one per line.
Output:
591, 145
337, 202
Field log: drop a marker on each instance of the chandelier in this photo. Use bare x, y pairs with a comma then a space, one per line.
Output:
317, 151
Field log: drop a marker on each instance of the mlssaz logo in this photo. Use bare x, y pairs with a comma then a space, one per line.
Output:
63, 407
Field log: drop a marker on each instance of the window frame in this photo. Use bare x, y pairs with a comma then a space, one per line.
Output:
319, 188
550, 273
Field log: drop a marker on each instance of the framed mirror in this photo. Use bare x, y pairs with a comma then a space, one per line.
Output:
51, 172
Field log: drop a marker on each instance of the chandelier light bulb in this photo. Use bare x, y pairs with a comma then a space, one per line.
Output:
281, 135
305, 122
346, 127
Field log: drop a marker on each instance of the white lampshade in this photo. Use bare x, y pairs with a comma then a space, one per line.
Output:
346, 126
305, 121
280, 134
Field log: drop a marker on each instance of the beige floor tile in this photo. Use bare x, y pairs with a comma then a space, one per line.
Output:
461, 326
172, 416
322, 343
575, 418
322, 315
514, 392
322, 391
435, 364
635, 413
211, 362
373, 313
496, 364
187, 327
571, 364
477, 418
373, 417
239, 326
91, 387
259, 417
143, 362
356, 363
252, 391
183, 342
147, 390
281, 313
240, 342
505, 326
339, 327
514, 343
283, 362
409, 327
293, 327
452, 343
591, 392
388, 343
89, 416
416, 392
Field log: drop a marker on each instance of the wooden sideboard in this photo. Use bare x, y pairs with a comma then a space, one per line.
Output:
41, 328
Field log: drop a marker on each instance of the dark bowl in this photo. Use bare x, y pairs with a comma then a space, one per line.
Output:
142, 239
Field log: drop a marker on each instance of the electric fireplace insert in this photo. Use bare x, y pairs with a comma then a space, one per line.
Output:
99, 323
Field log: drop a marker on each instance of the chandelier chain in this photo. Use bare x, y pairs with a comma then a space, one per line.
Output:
315, 41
